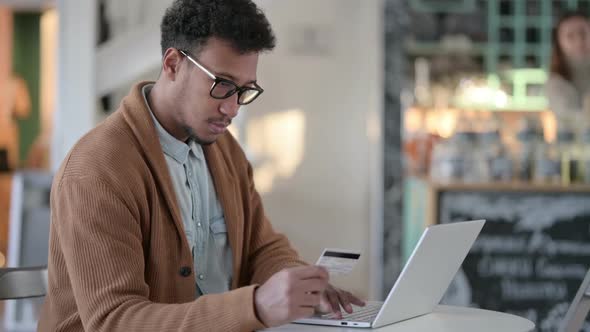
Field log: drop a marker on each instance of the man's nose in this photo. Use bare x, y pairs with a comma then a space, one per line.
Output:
230, 106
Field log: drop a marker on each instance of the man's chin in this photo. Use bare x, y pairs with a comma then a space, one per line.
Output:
201, 139
210, 139
204, 142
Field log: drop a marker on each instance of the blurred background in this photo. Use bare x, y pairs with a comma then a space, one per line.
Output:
379, 118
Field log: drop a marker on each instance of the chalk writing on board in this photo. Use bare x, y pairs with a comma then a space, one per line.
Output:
549, 270
500, 244
529, 213
532, 291
490, 266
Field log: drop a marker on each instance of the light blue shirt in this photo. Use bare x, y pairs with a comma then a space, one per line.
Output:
202, 215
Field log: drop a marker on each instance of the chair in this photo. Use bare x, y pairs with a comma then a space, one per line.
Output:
26, 277
578, 310
23, 283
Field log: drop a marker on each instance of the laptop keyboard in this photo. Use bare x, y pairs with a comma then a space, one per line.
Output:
367, 313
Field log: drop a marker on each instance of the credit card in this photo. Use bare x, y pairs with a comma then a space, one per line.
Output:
338, 262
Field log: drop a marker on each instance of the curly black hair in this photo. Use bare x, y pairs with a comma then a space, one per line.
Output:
188, 24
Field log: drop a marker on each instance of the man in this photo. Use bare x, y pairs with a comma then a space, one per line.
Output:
156, 223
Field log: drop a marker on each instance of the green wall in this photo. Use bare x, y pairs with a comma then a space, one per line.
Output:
26, 64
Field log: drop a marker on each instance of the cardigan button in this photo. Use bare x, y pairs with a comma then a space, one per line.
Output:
185, 271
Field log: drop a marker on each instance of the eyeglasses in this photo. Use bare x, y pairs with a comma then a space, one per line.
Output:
223, 88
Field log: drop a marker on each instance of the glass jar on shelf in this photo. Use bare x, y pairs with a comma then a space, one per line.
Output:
447, 163
498, 163
547, 163
457, 159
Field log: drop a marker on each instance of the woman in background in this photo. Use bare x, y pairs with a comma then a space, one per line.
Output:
569, 82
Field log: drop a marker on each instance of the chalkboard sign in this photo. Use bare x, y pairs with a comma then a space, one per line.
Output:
530, 257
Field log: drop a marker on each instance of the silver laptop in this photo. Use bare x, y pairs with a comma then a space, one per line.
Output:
575, 317
422, 283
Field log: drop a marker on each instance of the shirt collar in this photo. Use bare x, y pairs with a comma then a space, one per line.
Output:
197, 149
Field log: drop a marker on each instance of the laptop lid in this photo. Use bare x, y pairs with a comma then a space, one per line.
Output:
429, 271
579, 308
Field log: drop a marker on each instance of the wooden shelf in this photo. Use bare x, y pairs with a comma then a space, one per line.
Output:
511, 187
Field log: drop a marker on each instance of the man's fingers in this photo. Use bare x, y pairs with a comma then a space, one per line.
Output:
311, 272
311, 300
313, 285
345, 301
356, 301
332, 298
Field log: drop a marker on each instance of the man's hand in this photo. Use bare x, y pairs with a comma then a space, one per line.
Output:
333, 298
290, 294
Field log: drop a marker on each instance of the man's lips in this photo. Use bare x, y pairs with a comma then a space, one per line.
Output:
218, 127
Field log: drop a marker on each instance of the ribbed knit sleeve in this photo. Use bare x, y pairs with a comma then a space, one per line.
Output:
97, 231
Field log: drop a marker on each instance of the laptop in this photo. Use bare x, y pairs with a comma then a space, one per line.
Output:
422, 283
575, 318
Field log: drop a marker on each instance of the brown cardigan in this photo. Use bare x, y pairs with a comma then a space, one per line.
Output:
118, 256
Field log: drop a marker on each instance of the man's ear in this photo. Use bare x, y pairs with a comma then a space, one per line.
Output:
171, 63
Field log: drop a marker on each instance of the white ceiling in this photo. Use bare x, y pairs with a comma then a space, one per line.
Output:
28, 4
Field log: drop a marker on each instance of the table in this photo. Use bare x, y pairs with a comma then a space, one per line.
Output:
443, 319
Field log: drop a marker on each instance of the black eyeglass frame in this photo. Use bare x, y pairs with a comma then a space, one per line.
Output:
217, 80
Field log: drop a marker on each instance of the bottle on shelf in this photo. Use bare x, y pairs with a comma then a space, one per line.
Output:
583, 146
557, 162
472, 157
528, 138
547, 163
447, 160
584, 158
448, 163
458, 159
497, 161
569, 155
